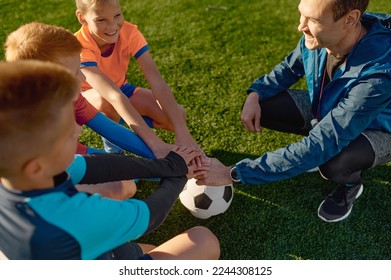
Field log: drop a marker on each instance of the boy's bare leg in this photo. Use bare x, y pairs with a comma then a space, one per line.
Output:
197, 243
145, 103
2, 256
101, 104
146, 247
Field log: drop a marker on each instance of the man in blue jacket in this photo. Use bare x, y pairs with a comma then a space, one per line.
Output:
345, 57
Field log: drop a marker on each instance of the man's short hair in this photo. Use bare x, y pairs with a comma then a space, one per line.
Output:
31, 95
342, 7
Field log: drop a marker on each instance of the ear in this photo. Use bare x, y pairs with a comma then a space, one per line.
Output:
33, 169
353, 17
80, 17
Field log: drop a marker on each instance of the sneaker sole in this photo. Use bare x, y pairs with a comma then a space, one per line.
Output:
315, 169
347, 214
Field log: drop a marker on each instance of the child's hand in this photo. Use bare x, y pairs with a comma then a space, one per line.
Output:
189, 142
189, 154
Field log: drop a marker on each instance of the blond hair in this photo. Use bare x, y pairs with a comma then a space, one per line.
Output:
41, 41
84, 5
31, 95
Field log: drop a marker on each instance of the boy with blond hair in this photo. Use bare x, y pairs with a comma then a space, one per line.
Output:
38, 196
108, 44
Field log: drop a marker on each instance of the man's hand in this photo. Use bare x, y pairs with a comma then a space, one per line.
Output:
202, 165
216, 175
251, 113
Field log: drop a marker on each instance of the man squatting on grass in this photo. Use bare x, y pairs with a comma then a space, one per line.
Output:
42, 215
345, 115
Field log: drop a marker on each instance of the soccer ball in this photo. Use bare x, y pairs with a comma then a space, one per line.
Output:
204, 202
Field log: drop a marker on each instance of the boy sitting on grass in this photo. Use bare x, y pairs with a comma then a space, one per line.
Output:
109, 42
56, 44
42, 215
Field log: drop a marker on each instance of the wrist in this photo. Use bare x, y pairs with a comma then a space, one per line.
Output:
253, 96
182, 132
233, 174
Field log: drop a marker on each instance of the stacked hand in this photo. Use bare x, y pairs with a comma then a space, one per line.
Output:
189, 155
217, 174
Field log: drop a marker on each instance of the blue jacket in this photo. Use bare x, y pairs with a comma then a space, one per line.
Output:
358, 98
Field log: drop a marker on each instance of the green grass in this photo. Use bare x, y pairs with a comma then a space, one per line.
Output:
209, 57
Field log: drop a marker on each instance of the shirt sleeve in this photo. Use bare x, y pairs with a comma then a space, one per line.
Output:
90, 50
135, 39
162, 199
101, 168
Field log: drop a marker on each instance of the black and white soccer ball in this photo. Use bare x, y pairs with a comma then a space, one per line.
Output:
204, 202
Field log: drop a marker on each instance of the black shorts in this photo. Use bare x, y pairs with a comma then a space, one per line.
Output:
129, 251
380, 140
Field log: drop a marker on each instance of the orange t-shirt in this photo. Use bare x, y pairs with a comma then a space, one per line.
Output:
131, 43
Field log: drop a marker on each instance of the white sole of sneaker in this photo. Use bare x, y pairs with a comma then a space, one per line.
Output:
346, 215
315, 169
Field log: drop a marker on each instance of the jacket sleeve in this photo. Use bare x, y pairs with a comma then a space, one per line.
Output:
367, 98
284, 75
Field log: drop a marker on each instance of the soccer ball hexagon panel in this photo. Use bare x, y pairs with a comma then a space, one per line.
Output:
206, 201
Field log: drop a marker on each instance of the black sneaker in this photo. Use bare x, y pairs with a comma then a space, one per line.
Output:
339, 203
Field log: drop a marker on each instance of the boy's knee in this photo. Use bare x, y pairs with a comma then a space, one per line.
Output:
163, 121
206, 238
120, 190
129, 189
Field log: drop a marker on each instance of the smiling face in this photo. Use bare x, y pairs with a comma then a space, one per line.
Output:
318, 25
104, 22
